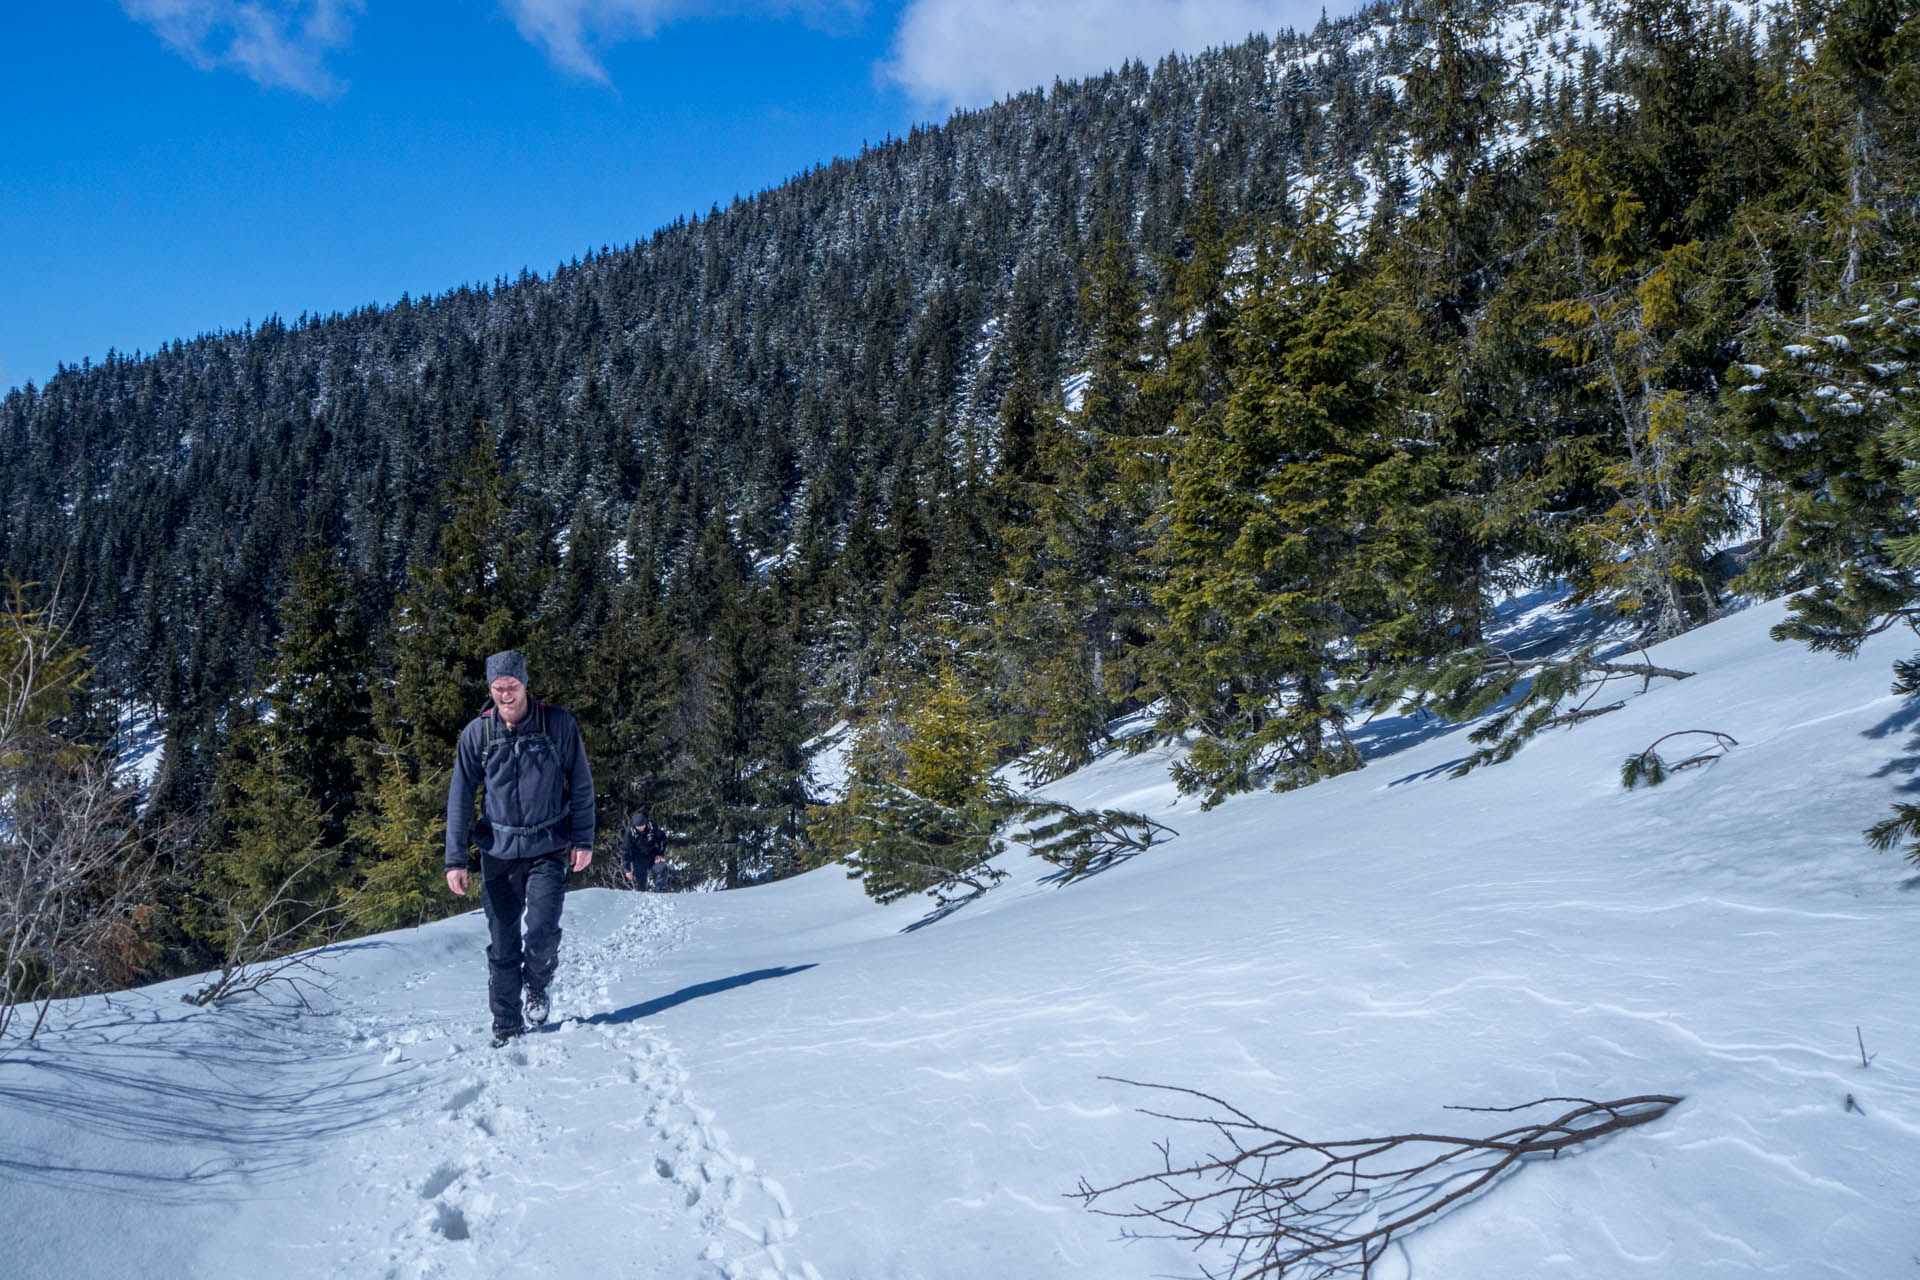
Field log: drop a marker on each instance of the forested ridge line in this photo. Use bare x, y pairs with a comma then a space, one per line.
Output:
849, 325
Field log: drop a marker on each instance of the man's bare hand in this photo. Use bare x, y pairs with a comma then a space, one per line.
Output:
457, 881
581, 857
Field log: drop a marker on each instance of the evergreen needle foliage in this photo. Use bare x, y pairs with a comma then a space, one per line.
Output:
922, 812
1520, 696
1650, 768
1084, 841
401, 834
904, 843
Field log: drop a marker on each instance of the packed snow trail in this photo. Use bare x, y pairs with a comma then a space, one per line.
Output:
581, 1148
589, 1120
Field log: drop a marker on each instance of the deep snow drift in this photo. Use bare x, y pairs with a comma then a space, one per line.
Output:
791, 1082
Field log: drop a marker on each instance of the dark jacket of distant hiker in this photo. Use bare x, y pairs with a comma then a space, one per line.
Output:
642, 844
537, 792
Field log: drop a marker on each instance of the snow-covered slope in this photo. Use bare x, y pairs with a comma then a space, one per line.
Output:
790, 1082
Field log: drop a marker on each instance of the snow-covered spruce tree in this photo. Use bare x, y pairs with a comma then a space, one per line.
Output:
1829, 390
922, 810
1825, 408
1904, 549
1834, 418
1827, 380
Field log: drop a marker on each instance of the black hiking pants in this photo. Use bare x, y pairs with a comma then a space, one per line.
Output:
510, 887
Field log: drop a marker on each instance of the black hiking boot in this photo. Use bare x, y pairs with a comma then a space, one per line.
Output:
537, 1006
501, 1036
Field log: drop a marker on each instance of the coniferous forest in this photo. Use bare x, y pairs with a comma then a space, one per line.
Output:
1231, 394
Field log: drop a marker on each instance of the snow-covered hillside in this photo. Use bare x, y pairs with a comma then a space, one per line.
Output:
790, 1082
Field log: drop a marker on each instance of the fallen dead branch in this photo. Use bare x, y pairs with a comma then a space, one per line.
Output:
1284, 1205
257, 959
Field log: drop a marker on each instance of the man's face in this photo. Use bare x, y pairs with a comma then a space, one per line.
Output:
510, 696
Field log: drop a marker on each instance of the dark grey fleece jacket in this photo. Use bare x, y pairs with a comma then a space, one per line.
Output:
536, 788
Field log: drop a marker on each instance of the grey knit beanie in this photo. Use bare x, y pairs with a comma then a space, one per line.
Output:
507, 662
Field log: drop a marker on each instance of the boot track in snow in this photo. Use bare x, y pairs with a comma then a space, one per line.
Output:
526, 1124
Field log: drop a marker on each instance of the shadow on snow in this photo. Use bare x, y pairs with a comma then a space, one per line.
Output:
646, 1009
232, 1120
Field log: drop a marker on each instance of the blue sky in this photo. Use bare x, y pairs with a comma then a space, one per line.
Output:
174, 167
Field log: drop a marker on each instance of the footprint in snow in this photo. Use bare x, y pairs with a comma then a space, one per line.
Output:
450, 1222
443, 1177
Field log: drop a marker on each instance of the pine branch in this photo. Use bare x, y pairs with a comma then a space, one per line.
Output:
1533, 694
1650, 768
1084, 841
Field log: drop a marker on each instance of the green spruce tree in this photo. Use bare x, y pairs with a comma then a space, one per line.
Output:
1071, 601
400, 829
1623, 322
922, 810
737, 788
1294, 550
279, 855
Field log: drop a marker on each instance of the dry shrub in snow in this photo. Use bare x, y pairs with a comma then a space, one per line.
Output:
77, 871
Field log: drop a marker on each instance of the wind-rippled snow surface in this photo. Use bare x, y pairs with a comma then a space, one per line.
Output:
790, 1082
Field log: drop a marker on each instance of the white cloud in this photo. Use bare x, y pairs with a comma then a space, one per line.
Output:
968, 53
567, 30
572, 32
279, 43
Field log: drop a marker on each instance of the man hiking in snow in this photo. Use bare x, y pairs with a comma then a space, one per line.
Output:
642, 845
536, 821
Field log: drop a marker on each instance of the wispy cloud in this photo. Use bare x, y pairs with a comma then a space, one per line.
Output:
967, 53
572, 33
569, 32
282, 44
277, 43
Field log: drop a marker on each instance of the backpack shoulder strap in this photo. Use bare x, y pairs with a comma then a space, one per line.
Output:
489, 732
